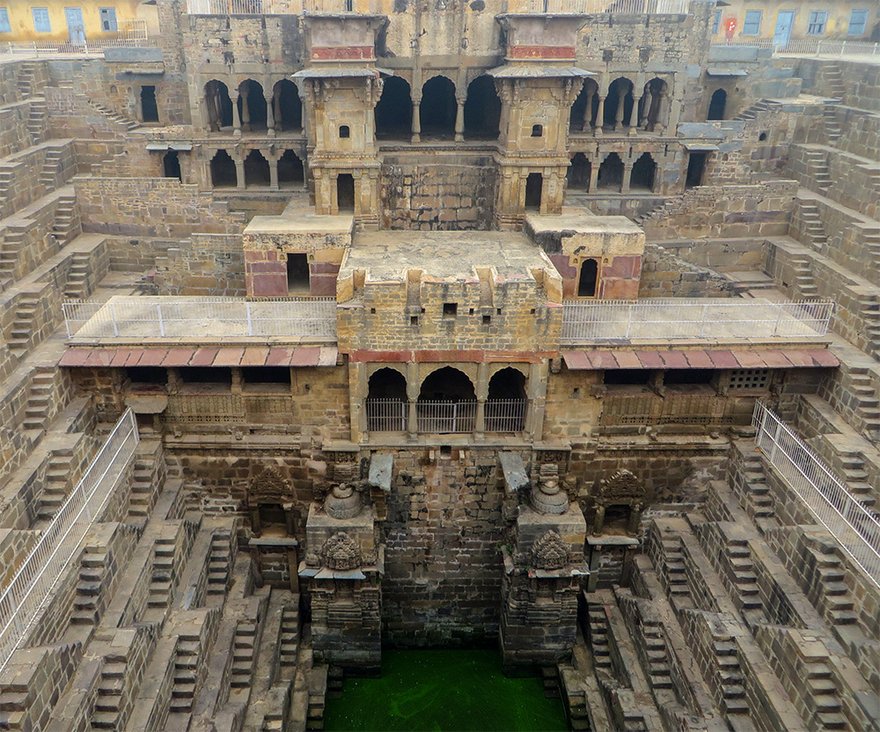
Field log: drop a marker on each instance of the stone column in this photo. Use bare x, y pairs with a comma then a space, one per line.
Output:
459, 120
662, 112
276, 104
482, 394
236, 118
270, 116
600, 116
594, 176
416, 121
627, 174
273, 173
239, 173
305, 175
618, 118
412, 395
634, 113
588, 112
644, 122
245, 113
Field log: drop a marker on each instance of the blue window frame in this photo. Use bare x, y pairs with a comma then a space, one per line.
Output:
41, 20
858, 22
817, 23
108, 19
752, 23
716, 22
5, 25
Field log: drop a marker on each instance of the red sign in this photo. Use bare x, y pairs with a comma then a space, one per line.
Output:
729, 27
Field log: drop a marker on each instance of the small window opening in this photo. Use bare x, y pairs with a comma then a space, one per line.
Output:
534, 186
147, 375
273, 518
344, 131
616, 517
696, 170
589, 278
345, 192
614, 377
446, 451
688, 376
149, 108
413, 319
537, 131
487, 319
298, 273
349, 6
450, 309
205, 375
266, 375
762, 137
171, 165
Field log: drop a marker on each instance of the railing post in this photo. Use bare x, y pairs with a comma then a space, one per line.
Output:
702, 319
161, 322
250, 325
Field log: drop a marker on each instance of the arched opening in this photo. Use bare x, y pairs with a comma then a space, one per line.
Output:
534, 189
506, 402
438, 107
171, 165
643, 172
345, 192
256, 170
394, 110
583, 112
611, 173
219, 105
290, 170
482, 110
149, 108
717, 104
588, 278
251, 106
223, 173
652, 104
579, 172
288, 106
619, 104
447, 402
386, 401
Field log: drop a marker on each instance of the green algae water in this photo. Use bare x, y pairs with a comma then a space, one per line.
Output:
446, 691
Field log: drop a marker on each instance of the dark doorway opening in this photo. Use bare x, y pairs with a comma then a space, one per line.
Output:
619, 103
386, 401
223, 172
717, 105
438, 107
288, 107
171, 165
506, 403
251, 106
447, 384
585, 107
588, 278
482, 110
218, 104
534, 186
149, 108
290, 170
256, 169
652, 103
394, 110
298, 274
643, 173
696, 170
345, 192
579, 173
611, 173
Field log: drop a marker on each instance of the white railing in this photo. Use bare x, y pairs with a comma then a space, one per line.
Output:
808, 46
138, 318
446, 417
601, 7
855, 527
23, 600
657, 319
386, 415
506, 415
283, 7
131, 33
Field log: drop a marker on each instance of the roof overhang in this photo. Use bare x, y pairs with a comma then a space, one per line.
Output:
532, 70
700, 147
163, 146
767, 358
207, 356
721, 71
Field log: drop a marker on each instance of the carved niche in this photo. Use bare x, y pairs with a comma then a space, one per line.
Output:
341, 552
549, 552
269, 487
621, 487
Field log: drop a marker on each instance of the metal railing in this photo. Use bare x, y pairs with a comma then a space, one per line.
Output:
283, 7
578, 7
138, 318
131, 32
808, 46
855, 527
698, 318
386, 415
446, 417
506, 415
601, 7
23, 600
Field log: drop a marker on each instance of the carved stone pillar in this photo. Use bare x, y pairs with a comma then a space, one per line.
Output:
239, 173
273, 173
634, 113
627, 174
600, 117
236, 118
588, 111
270, 116
618, 117
459, 120
648, 100
416, 121
245, 112
594, 176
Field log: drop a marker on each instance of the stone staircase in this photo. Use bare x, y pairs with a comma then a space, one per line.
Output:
834, 599
110, 695
833, 132
730, 676
40, 395
77, 285
7, 180
575, 698
834, 79
88, 587
317, 695
871, 240
752, 112
804, 285
129, 124
852, 467
869, 310
146, 479
25, 79
817, 165
812, 227
186, 673
659, 673
66, 221
13, 240
757, 502
52, 165
867, 405
36, 123
57, 484
288, 640
674, 571
161, 584
244, 649
744, 578
597, 627
219, 562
